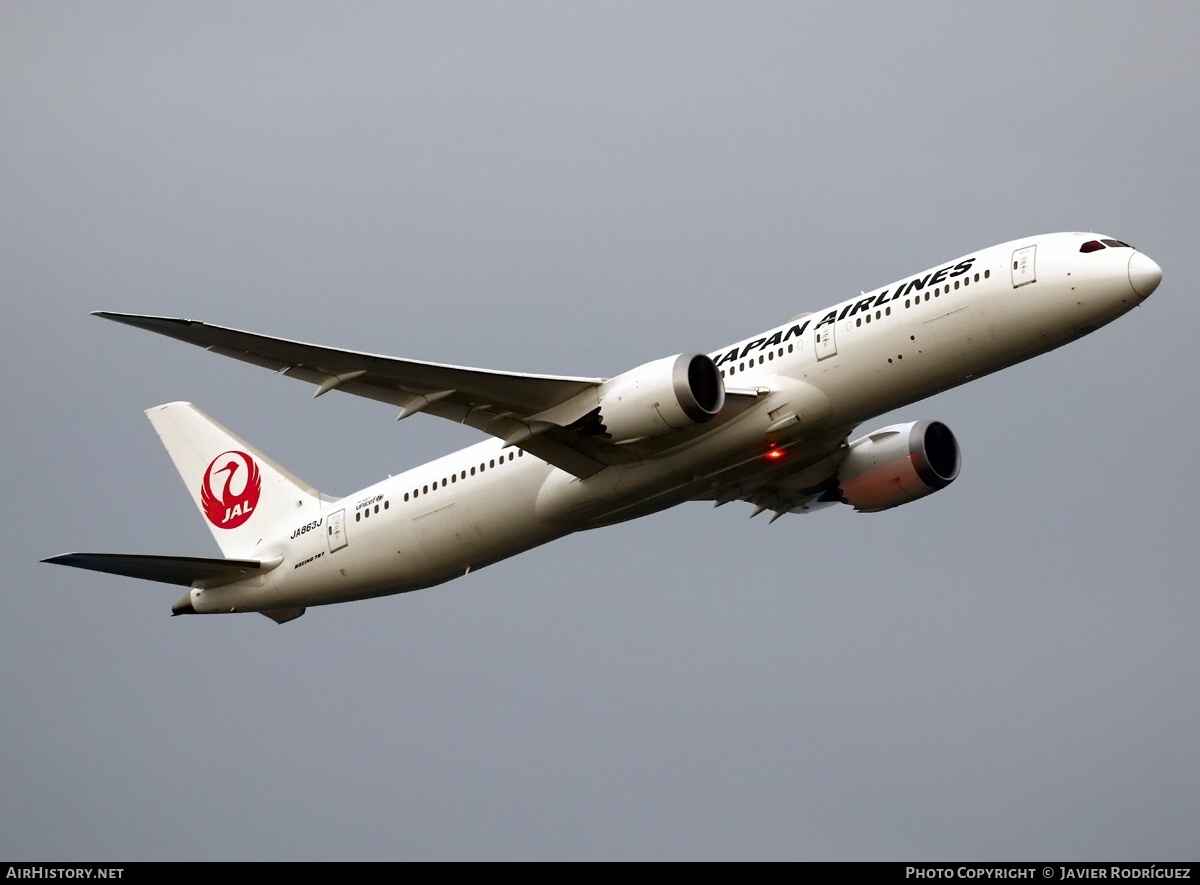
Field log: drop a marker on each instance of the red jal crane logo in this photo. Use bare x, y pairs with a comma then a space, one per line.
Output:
230, 490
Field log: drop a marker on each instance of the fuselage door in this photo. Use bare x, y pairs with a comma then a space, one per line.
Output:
824, 341
336, 531
1023, 270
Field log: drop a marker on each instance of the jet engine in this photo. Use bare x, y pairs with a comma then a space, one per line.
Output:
661, 396
898, 464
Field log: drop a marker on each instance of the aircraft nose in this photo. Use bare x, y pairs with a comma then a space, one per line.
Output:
1144, 274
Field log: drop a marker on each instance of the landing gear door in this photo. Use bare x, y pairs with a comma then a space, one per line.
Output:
1024, 270
824, 341
336, 531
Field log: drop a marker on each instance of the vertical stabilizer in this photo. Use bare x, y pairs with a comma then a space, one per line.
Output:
242, 494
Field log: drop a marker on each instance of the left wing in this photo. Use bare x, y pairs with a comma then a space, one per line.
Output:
780, 500
807, 483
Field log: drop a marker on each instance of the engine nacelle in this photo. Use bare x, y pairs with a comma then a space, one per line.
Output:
661, 396
898, 464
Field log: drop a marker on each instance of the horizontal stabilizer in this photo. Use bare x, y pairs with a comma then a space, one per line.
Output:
183, 570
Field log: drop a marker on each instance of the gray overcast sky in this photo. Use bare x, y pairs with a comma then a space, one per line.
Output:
1008, 669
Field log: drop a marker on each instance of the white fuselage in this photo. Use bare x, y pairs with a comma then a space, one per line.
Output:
816, 376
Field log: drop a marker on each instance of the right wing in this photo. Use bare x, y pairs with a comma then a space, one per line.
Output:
552, 417
504, 404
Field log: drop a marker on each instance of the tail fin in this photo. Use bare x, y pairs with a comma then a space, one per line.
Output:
243, 495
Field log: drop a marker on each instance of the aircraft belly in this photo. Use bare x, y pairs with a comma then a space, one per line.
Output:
795, 413
422, 542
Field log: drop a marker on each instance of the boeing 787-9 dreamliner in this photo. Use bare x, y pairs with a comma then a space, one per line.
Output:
767, 420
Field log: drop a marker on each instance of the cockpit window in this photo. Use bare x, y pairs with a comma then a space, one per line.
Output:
1092, 246
1116, 244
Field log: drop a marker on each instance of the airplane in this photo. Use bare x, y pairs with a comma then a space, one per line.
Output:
766, 420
